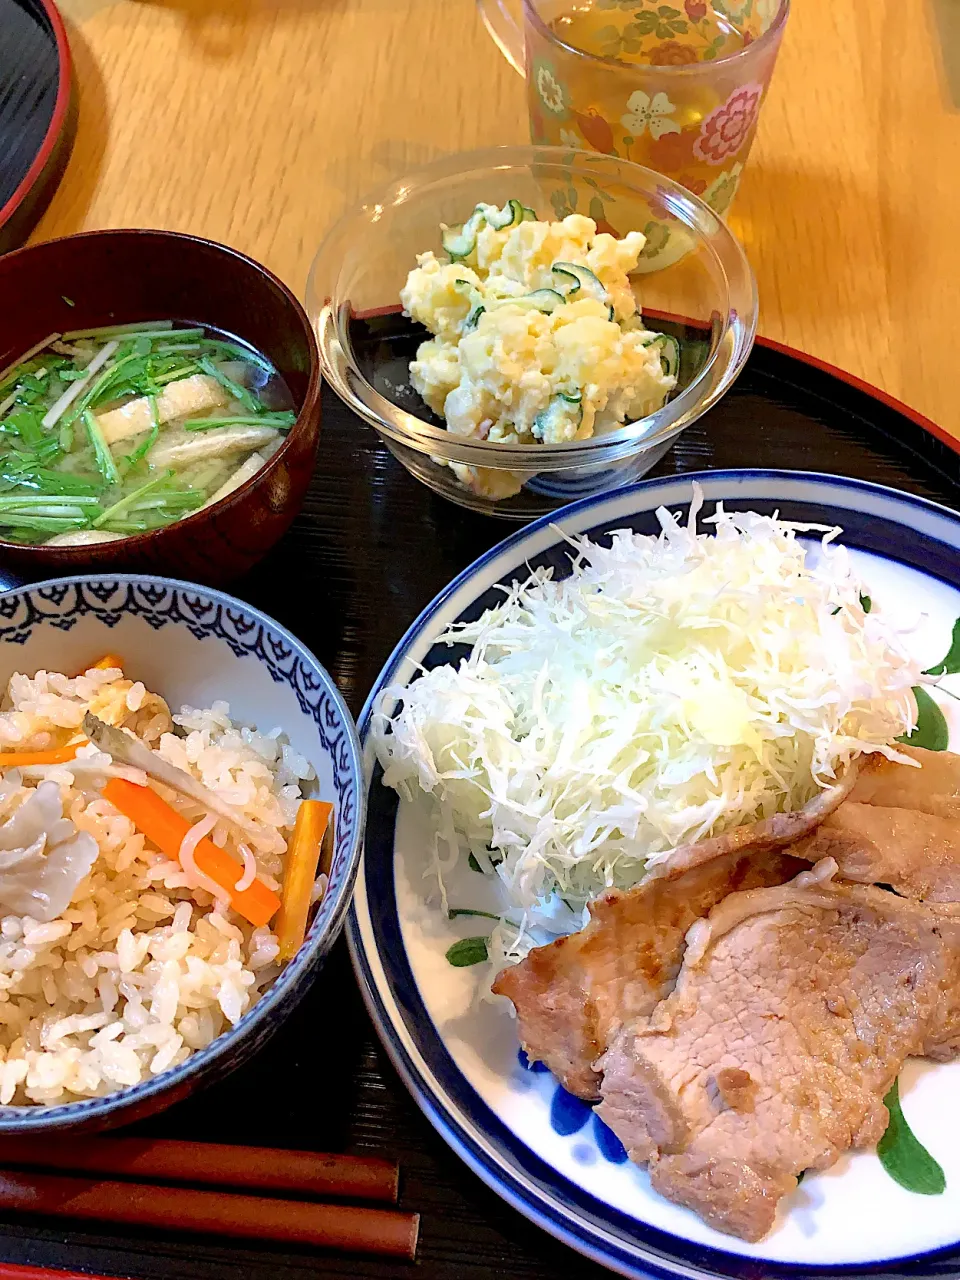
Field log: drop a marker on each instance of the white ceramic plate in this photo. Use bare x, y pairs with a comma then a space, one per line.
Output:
542, 1149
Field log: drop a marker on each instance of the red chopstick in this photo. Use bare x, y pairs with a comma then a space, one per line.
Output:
311, 1173
13, 1271
226, 1213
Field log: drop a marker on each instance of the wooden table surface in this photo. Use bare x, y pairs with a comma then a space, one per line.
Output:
258, 122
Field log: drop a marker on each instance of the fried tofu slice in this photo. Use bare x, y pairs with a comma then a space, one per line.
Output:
185, 397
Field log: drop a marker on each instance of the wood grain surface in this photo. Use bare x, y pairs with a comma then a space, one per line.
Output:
257, 122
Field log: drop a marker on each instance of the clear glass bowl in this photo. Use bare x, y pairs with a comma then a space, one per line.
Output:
697, 285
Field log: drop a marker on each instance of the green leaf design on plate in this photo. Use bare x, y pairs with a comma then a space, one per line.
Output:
467, 951
951, 663
931, 731
905, 1159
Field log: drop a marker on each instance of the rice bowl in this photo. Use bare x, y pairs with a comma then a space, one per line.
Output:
147, 981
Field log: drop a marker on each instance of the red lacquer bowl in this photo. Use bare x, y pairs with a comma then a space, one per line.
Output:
120, 277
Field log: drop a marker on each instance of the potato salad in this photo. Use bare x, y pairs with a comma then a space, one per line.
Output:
538, 337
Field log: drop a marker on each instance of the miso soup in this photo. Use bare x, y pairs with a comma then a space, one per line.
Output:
108, 433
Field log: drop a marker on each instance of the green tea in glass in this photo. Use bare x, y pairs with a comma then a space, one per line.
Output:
676, 86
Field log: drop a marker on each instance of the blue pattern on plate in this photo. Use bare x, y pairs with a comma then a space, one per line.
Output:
611, 1148
568, 1113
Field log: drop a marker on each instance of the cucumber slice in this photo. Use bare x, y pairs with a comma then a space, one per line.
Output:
669, 354
567, 280
557, 412
500, 218
475, 299
546, 300
520, 212
510, 215
587, 285
459, 242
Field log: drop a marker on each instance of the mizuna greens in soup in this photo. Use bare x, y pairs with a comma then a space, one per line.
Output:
112, 432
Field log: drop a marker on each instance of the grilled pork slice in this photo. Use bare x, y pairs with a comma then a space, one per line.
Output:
791, 1017
933, 788
917, 854
900, 826
572, 994
775, 832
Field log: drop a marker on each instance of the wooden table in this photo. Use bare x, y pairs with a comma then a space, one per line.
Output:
257, 122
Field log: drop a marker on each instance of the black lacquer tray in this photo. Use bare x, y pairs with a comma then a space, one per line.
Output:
369, 550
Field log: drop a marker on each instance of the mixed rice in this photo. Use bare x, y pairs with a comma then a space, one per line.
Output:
143, 967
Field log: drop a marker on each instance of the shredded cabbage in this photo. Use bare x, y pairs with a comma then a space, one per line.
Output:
668, 689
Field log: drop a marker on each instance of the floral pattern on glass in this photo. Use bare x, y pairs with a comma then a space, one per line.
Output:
736, 10
673, 54
659, 34
551, 92
649, 114
727, 127
597, 131
678, 106
719, 194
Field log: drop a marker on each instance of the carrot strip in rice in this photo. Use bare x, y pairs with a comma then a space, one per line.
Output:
22, 759
109, 662
303, 855
166, 828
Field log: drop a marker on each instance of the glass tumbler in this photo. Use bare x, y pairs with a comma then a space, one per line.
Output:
689, 109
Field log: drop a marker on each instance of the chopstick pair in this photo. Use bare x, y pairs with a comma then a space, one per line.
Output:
339, 1226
